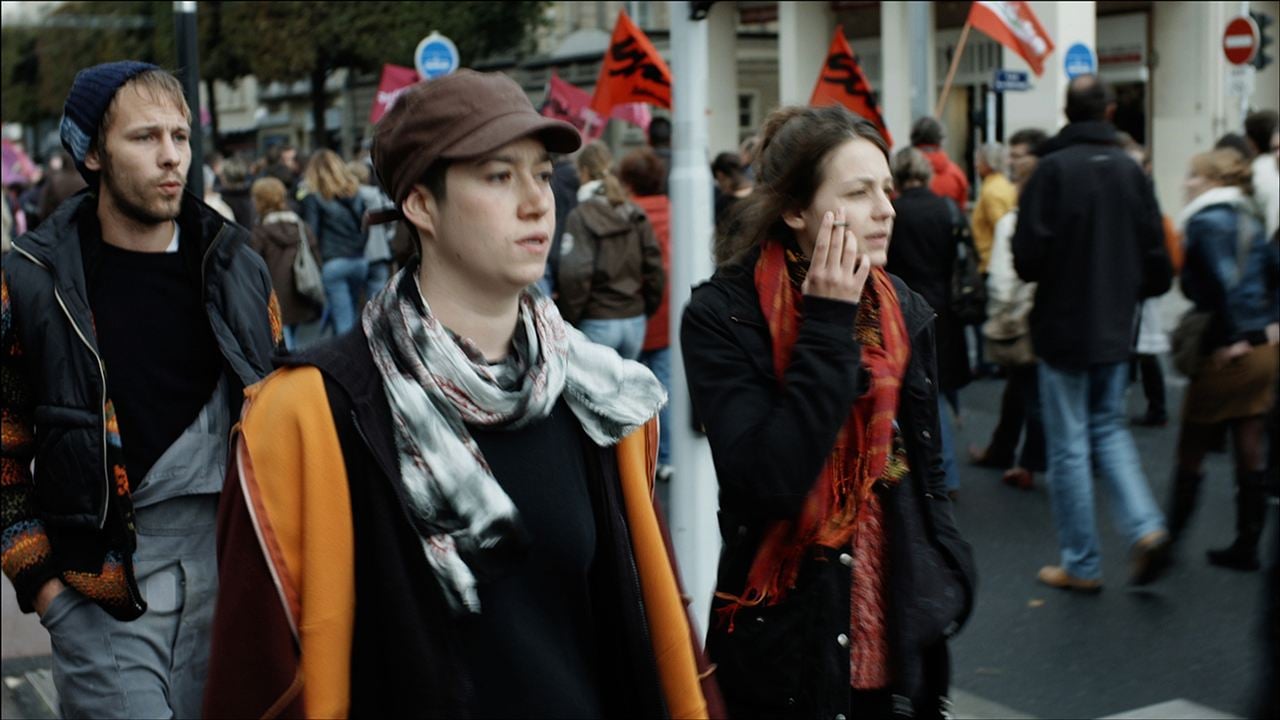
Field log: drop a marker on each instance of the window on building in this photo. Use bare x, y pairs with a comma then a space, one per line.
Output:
747, 103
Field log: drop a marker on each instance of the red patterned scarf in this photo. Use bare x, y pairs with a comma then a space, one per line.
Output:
864, 444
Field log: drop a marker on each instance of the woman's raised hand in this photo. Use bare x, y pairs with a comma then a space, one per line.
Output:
836, 271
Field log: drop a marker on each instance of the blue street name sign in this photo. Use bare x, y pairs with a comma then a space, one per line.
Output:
1079, 61
1012, 80
435, 57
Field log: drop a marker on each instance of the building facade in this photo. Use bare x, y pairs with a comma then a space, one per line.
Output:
1163, 59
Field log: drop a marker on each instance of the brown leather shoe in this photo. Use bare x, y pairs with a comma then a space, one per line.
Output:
1055, 576
1150, 557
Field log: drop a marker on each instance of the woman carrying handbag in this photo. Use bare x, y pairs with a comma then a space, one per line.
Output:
278, 239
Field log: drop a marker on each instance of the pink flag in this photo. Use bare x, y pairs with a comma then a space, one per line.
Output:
635, 113
395, 80
568, 102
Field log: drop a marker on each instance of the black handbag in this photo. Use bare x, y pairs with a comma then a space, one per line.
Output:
968, 289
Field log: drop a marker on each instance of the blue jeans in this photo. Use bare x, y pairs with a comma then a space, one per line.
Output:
659, 361
625, 335
376, 278
1085, 428
344, 280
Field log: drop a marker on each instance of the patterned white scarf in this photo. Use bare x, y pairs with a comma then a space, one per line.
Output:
437, 384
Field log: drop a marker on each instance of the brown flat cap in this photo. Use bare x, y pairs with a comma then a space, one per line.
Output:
457, 117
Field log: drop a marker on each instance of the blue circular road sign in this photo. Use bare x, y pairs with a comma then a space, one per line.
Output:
436, 56
1079, 61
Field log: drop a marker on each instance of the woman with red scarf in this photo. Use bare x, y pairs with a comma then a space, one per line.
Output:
813, 372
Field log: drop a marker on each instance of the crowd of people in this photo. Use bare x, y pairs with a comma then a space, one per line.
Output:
447, 507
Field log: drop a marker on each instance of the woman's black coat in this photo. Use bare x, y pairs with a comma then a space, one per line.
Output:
922, 253
769, 444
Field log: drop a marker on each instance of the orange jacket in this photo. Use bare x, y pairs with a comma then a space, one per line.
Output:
287, 496
948, 180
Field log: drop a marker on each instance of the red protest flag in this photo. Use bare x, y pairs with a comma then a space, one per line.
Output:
395, 80
632, 71
1015, 26
568, 102
842, 82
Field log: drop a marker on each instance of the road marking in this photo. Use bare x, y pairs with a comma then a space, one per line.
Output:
967, 706
1178, 709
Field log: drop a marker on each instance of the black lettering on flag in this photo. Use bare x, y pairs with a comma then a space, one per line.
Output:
626, 52
848, 79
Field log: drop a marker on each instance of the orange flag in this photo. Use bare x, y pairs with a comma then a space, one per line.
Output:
632, 71
842, 81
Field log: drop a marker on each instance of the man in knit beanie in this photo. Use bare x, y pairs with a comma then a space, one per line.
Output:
133, 319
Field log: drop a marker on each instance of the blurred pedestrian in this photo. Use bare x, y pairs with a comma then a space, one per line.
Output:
333, 210
213, 161
926, 234
659, 136
236, 192
611, 278
63, 182
731, 181
282, 164
377, 242
643, 175
133, 320
842, 574
564, 188
213, 198
29, 193
996, 197
1150, 340
1007, 333
747, 155
278, 240
1237, 142
6, 239
948, 180
1230, 272
1259, 127
468, 472
1089, 236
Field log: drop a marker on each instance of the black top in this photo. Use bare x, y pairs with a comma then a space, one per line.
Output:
769, 441
922, 252
532, 648
162, 362
1089, 235
407, 655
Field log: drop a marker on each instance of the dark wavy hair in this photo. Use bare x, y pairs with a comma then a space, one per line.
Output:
795, 144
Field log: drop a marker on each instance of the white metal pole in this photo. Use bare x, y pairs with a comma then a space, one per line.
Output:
1244, 95
694, 492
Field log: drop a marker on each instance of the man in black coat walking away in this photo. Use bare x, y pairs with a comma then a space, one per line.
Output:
1089, 233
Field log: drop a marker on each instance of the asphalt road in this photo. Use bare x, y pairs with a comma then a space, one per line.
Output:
1188, 646
1193, 635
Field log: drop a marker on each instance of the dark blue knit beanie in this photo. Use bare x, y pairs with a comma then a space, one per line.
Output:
91, 93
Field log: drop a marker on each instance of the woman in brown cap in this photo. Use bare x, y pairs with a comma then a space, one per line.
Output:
447, 512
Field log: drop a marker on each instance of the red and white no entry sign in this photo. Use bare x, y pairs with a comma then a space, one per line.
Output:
1240, 40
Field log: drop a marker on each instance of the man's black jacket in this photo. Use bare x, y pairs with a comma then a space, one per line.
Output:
62, 379
1090, 235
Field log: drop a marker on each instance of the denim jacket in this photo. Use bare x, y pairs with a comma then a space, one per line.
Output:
336, 224
1241, 296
